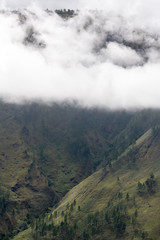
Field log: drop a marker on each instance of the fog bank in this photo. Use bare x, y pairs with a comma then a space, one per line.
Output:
97, 58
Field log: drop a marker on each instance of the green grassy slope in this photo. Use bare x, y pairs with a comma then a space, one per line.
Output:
109, 204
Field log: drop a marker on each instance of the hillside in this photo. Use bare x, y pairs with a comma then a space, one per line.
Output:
79, 120
47, 150
118, 201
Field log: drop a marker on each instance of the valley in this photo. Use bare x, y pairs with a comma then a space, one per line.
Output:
48, 150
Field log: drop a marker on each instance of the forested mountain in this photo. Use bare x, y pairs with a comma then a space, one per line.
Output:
79, 120
119, 201
46, 150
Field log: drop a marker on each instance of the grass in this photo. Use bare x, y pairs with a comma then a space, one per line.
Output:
94, 193
38, 165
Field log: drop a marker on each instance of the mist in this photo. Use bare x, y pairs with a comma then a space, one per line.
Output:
106, 58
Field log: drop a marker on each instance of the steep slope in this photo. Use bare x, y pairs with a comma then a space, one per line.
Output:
117, 201
45, 151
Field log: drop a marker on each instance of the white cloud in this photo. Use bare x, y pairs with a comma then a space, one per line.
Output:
96, 58
121, 55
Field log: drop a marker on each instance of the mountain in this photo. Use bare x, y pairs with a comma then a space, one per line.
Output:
120, 201
46, 150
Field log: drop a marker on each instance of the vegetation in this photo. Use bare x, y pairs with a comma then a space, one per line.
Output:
65, 12
111, 207
4, 200
148, 186
47, 150
39, 156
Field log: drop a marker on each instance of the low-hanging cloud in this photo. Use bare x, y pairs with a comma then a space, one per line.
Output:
97, 58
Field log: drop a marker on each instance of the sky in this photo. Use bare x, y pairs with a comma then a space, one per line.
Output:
148, 7
107, 56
